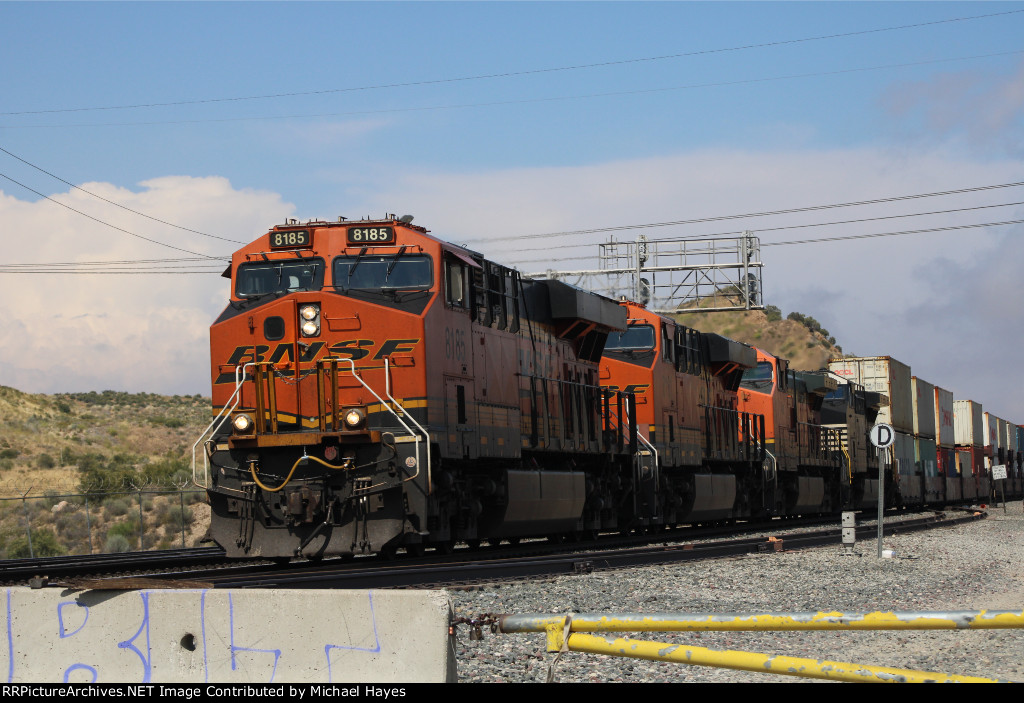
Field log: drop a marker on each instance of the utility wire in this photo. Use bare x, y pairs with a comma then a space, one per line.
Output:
94, 219
892, 234
770, 229
155, 219
766, 213
504, 103
510, 74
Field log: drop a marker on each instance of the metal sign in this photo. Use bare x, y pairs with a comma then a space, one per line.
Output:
882, 435
998, 471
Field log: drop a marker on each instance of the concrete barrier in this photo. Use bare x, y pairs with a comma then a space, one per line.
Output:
225, 636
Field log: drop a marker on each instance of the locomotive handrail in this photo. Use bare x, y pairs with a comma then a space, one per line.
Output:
218, 421
390, 410
387, 392
643, 441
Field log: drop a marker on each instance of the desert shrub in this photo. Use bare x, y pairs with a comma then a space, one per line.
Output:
98, 473
73, 529
168, 471
179, 519
44, 544
45, 461
117, 544
172, 422
115, 507
9, 453
773, 313
128, 529
192, 497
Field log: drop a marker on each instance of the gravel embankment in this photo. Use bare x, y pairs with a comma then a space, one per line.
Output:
971, 567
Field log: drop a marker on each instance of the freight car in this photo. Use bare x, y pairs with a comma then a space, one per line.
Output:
378, 388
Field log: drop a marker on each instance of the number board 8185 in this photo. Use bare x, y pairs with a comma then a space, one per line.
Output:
371, 235
291, 238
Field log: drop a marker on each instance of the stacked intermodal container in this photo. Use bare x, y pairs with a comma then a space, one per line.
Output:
945, 443
925, 454
890, 377
1012, 474
969, 437
992, 442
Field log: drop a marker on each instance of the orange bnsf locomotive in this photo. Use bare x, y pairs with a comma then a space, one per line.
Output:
378, 388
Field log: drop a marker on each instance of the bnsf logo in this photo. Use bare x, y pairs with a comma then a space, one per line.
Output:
637, 388
354, 349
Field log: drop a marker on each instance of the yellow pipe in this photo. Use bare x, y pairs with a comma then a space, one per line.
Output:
748, 622
751, 661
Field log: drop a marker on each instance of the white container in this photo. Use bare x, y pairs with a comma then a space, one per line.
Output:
923, 394
968, 424
992, 438
882, 374
944, 434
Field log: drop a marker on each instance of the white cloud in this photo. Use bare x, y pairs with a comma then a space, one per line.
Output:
123, 332
930, 300
945, 303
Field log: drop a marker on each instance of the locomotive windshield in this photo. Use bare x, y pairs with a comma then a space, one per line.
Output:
256, 279
759, 377
383, 272
635, 337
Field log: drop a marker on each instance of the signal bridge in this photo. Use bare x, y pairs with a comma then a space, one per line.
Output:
676, 275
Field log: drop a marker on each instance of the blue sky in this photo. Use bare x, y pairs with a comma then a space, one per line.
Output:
793, 120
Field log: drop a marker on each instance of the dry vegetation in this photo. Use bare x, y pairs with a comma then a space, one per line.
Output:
75, 468
801, 339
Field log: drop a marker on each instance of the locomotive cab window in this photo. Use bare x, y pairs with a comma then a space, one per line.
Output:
374, 272
455, 283
636, 337
758, 378
265, 277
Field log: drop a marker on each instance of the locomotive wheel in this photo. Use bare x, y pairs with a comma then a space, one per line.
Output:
415, 550
388, 553
446, 547
473, 543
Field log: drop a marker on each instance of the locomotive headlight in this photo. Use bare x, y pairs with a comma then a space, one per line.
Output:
354, 418
242, 423
311, 316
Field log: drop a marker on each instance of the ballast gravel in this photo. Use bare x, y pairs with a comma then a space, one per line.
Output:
975, 566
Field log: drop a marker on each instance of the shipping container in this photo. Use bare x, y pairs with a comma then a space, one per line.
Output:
905, 469
886, 375
969, 464
926, 462
923, 394
944, 435
968, 424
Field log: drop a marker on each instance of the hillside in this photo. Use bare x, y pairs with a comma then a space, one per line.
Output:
45, 439
807, 348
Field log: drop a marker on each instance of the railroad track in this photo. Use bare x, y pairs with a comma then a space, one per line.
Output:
466, 568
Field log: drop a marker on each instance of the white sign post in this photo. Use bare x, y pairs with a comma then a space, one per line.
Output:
882, 436
999, 473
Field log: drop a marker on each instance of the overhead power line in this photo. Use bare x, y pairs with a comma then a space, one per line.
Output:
511, 74
503, 103
816, 240
107, 224
757, 230
765, 213
100, 197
